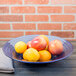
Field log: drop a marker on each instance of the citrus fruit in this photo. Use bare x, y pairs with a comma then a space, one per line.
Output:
31, 54
44, 55
20, 47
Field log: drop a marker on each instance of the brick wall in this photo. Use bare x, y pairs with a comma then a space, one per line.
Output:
26, 17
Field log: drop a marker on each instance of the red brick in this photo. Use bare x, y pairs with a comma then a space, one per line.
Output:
69, 26
63, 1
62, 18
49, 26
71, 39
4, 9
63, 34
5, 34
49, 9
24, 26
36, 33
36, 1
4, 26
5, 39
23, 9
36, 18
10, 2
70, 9
11, 18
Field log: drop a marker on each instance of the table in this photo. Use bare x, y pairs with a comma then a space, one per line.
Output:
66, 67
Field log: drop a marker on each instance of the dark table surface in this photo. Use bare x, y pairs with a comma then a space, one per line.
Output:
66, 67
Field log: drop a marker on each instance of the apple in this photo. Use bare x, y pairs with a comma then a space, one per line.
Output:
47, 40
39, 43
29, 44
55, 47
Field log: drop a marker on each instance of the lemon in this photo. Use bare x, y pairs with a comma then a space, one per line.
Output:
20, 47
44, 55
31, 54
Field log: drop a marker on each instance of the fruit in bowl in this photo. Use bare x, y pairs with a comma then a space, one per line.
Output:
29, 44
39, 43
47, 40
55, 47
39, 49
31, 54
44, 55
20, 47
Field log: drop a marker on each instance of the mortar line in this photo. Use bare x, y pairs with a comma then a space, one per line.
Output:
38, 30
50, 2
38, 22
40, 5
49, 32
24, 32
23, 2
11, 26
36, 12
23, 18
39, 13
10, 10
49, 18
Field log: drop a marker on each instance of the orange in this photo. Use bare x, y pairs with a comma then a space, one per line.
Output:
20, 47
31, 54
44, 55
47, 40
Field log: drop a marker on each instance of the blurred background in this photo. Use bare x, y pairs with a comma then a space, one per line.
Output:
27, 17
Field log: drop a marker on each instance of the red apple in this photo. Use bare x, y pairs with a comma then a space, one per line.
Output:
55, 47
39, 43
29, 44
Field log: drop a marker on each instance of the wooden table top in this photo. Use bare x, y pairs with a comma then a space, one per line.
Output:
66, 67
